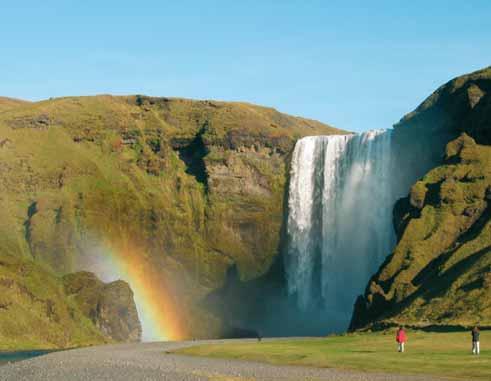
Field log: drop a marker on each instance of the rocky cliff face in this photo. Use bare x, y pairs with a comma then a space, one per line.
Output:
189, 188
440, 270
110, 306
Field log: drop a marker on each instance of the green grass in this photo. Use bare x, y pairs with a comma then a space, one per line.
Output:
440, 354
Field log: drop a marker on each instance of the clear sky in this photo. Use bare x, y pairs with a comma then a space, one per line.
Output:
355, 64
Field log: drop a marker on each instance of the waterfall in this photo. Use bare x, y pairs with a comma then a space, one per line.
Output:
339, 225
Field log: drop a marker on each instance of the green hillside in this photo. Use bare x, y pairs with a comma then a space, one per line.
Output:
10, 103
440, 270
192, 187
35, 311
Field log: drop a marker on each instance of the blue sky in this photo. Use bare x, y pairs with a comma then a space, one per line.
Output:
355, 64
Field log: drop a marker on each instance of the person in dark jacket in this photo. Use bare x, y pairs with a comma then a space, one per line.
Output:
475, 341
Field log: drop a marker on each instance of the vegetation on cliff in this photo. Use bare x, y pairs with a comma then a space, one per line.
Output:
190, 187
440, 270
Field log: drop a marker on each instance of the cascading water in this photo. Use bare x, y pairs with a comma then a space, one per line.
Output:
339, 220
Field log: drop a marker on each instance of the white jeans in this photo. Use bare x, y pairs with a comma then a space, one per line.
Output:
475, 347
400, 347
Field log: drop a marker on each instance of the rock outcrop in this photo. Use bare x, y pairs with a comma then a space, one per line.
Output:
110, 306
36, 313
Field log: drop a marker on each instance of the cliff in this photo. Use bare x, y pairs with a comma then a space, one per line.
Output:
184, 189
440, 270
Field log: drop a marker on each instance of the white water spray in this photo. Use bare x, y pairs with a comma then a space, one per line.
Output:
339, 220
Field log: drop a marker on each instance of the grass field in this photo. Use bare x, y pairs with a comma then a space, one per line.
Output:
441, 354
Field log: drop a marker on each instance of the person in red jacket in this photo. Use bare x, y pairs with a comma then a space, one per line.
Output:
401, 339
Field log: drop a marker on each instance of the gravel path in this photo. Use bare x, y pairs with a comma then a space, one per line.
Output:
149, 361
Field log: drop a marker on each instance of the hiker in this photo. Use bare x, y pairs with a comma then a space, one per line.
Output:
475, 341
401, 339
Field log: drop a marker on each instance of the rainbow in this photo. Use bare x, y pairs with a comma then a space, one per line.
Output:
156, 306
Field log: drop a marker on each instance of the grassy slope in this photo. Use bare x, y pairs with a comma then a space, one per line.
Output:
35, 312
9, 103
439, 354
440, 270
122, 172
453, 240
